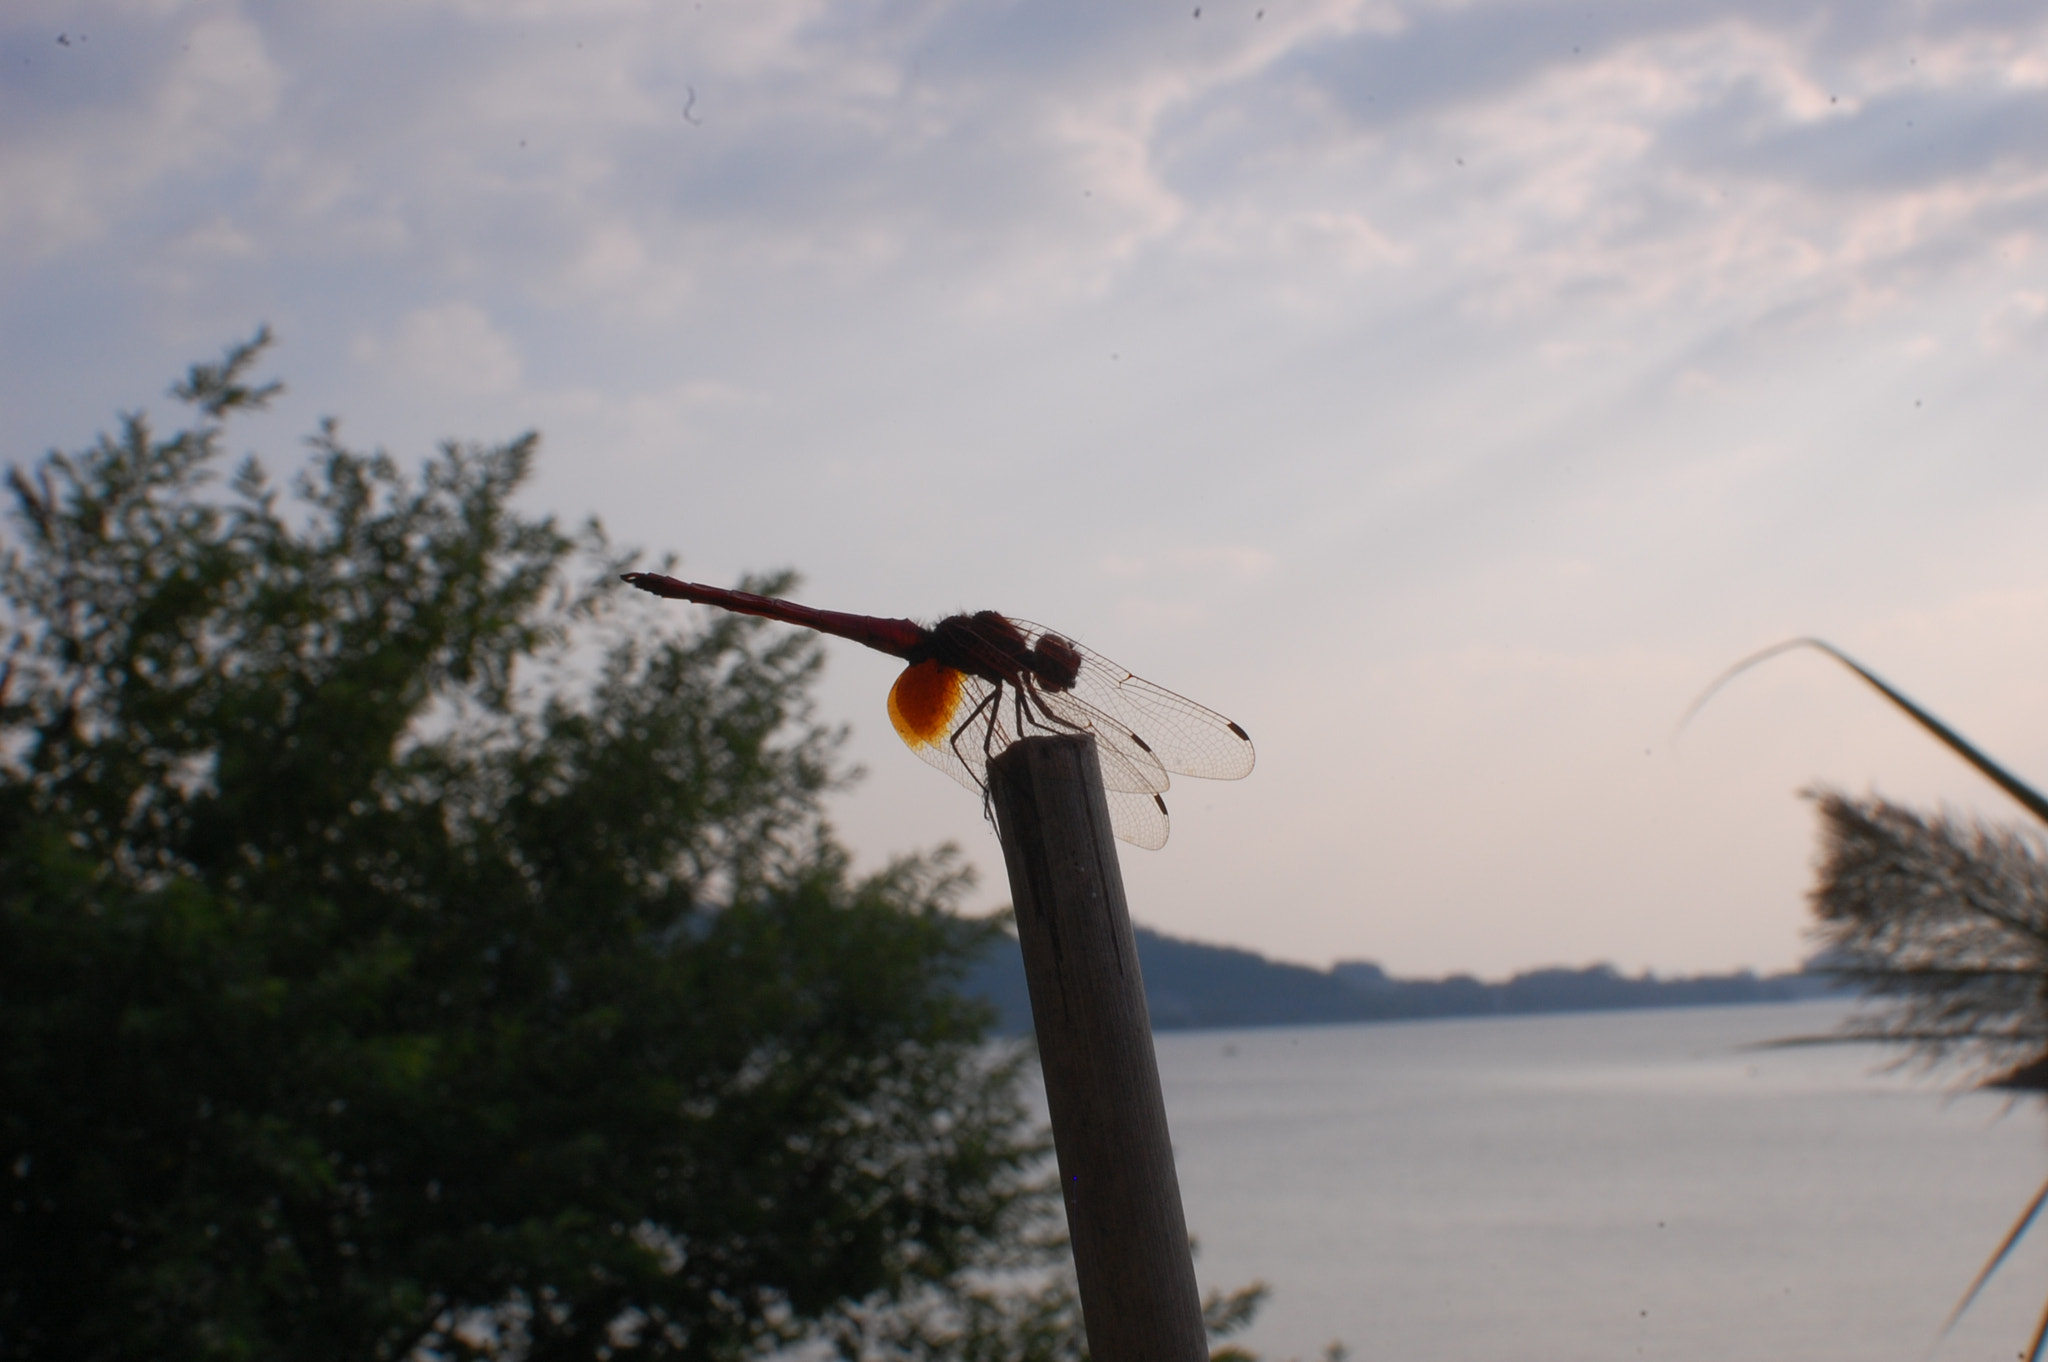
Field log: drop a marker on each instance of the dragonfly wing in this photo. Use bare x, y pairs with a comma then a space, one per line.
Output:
1188, 739
1138, 818
1179, 735
1128, 763
928, 706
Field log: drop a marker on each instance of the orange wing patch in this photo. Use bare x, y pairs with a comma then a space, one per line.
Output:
923, 701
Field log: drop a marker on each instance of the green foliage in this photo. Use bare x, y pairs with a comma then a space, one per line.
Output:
407, 947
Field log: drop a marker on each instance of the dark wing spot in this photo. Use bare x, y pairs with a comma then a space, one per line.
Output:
1161, 803
1141, 742
1240, 732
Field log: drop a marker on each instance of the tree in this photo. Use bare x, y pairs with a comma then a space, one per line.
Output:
408, 947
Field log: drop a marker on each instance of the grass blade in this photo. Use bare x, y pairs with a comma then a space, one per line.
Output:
2034, 1348
2012, 1238
1996, 774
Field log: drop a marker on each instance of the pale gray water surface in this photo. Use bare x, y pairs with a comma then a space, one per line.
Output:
1614, 1185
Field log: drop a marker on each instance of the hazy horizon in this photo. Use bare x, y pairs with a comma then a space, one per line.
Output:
1486, 977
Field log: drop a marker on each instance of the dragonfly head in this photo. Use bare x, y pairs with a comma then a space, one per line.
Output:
1055, 661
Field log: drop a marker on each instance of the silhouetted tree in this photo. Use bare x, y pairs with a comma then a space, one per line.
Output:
409, 948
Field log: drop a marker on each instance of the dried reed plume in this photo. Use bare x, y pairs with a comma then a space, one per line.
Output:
1944, 921
1941, 923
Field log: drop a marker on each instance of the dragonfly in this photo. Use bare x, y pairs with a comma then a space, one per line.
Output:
978, 683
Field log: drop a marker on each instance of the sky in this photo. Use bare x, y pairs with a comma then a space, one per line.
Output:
1447, 392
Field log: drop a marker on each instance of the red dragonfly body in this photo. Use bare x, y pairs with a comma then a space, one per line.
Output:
977, 683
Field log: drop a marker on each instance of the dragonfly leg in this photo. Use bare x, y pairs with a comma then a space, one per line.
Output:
991, 704
1042, 712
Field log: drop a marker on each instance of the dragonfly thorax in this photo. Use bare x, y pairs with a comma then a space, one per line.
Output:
993, 647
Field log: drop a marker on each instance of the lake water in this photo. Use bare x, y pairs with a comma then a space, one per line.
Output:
1620, 1185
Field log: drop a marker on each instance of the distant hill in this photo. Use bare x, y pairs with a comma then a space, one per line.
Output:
1191, 986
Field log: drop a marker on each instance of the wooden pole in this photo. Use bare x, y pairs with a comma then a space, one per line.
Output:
1130, 1237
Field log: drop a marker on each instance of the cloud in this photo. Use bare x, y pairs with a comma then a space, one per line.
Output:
1631, 155
2020, 322
95, 129
1238, 561
450, 348
1017, 161
1890, 141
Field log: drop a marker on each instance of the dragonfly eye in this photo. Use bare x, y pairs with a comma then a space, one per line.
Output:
1055, 661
